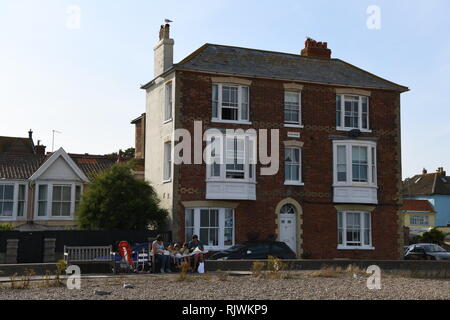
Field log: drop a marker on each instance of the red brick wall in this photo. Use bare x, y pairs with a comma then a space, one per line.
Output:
319, 230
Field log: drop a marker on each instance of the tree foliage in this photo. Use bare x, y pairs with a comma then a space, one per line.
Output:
116, 200
433, 236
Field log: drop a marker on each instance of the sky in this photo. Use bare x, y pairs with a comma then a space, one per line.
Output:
76, 66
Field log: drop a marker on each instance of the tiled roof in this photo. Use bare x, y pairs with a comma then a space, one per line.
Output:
92, 165
417, 205
19, 165
16, 145
427, 184
277, 65
22, 166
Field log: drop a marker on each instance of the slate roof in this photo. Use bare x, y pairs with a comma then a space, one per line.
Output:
417, 205
427, 185
16, 166
277, 65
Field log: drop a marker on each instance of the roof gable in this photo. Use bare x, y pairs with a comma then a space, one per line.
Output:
284, 66
59, 166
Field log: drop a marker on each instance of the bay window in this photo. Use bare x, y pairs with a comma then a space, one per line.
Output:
352, 112
214, 226
354, 230
230, 103
354, 162
232, 160
57, 200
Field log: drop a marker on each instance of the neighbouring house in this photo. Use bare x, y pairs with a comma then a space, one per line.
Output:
434, 187
40, 191
336, 193
139, 155
419, 216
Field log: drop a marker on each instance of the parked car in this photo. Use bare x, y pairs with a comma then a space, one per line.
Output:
260, 250
426, 251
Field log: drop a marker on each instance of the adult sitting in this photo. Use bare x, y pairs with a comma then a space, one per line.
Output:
159, 254
194, 244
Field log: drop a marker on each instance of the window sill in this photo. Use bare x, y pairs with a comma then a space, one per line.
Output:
231, 181
341, 247
71, 218
167, 181
231, 121
291, 125
293, 183
168, 121
355, 185
350, 129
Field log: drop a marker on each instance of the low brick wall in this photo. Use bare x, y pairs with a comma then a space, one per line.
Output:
386, 265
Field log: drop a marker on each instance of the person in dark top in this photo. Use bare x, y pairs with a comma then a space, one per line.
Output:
193, 244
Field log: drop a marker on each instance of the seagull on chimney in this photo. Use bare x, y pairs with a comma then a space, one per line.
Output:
168, 21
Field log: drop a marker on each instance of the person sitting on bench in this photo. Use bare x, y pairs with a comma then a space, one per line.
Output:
194, 244
158, 252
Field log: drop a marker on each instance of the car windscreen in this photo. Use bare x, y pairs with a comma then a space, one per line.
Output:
433, 248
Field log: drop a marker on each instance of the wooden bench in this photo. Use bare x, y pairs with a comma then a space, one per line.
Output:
88, 254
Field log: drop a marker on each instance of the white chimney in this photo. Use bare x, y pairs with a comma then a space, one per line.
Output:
163, 51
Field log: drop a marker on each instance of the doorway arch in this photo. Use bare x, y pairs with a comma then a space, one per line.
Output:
289, 215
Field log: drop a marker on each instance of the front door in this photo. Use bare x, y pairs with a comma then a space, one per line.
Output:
288, 227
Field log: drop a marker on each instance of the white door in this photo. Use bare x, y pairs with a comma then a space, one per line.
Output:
288, 229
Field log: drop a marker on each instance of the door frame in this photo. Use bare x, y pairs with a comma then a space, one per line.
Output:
298, 220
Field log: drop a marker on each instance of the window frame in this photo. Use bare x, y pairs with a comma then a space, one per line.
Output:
413, 218
168, 102
167, 162
219, 103
342, 230
298, 182
372, 166
340, 109
293, 123
221, 226
61, 201
15, 211
49, 199
249, 160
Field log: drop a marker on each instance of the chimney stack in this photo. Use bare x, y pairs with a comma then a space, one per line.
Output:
314, 49
163, 51
30, 134
441, 171
424, 171
39, 149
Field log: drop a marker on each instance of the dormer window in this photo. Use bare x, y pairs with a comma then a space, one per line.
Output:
352, 112
230, 103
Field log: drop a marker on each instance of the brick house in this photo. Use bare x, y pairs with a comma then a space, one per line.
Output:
336, 193
39, 190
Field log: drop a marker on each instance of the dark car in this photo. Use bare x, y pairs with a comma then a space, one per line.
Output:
426, 251
256, 251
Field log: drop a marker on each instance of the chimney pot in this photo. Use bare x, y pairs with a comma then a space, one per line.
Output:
424, 171
30, 134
